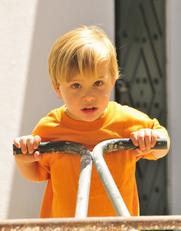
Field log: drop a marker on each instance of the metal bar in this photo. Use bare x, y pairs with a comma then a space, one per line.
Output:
56, 146
127, 144
101, 166
94, 224
86, 168
107, 179
85, 171
84, 185
73, 147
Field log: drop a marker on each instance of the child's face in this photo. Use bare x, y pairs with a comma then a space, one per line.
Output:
86, 98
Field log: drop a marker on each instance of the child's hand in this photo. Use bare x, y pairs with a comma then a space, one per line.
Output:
145, 139
28, 145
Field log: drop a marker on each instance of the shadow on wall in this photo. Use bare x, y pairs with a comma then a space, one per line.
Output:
39, 98
51, 21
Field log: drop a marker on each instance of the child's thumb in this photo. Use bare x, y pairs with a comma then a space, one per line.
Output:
37, 156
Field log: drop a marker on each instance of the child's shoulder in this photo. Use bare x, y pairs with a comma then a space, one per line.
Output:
49, 122
127, 111
54, 115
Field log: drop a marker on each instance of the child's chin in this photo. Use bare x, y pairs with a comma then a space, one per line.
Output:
91, 119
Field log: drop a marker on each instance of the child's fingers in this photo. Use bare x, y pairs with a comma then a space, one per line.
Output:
23, 142
141, 140
138, 139
37, 140
33, 143
154, 138
30, 144
20, 142
37, 155
148, 138
16, 142
134, 138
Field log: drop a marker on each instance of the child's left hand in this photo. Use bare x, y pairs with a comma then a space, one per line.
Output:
145, 139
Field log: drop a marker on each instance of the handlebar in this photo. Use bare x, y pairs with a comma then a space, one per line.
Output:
73, 147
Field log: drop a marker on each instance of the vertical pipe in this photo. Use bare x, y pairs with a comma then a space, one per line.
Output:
84, 185
108, 181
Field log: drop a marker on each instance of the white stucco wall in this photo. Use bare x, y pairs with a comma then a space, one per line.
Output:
27, 31
17, 20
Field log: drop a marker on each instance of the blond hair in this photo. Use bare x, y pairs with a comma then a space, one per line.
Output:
81, 51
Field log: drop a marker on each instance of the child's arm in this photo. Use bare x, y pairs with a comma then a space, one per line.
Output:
145, 139
27, 164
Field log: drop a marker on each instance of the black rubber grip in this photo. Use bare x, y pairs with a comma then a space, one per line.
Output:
73, 147
55, 146
127, 144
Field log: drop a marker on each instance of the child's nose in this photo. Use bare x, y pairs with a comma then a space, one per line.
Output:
90, 100
89, 97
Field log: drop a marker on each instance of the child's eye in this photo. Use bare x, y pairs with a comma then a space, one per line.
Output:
98, 83
75, 85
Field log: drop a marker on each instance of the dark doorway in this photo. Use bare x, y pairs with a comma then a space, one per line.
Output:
140, 43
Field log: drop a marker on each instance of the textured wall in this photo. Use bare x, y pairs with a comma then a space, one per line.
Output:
27, 30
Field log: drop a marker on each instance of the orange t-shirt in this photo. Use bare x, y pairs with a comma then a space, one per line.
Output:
62, 170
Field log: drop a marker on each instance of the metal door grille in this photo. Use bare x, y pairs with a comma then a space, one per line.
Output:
140, 43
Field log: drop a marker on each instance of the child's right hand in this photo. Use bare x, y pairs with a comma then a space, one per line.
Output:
28, 145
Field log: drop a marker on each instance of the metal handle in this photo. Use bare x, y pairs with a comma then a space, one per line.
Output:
86, 168
73, 147
56, 146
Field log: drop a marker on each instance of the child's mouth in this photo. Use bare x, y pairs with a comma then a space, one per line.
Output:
89, 110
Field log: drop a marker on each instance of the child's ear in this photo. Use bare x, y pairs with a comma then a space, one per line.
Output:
57, 90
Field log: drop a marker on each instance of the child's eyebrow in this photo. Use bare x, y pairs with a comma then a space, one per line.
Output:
74, 80
101, 76
77, 79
